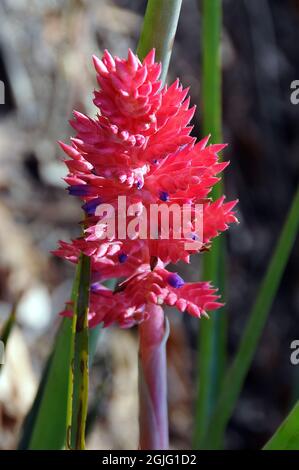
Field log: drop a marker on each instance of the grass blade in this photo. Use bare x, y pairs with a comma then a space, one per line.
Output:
8, 326
287, 435
159, 28
212, 333
45, 425
77, 402
236, 374
72, 353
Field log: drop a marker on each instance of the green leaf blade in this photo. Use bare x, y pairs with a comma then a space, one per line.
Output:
237, 372
211, 358
287, 435
158, 31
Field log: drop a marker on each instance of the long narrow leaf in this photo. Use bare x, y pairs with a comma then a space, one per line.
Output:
237, 373
45, 425
7, 328
71, 360
212, 333
8, 325
159, 28
287, 435
78, 367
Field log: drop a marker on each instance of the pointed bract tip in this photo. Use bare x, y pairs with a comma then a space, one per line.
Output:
150, 57
108, 58
132, 60
203, 142
99, 66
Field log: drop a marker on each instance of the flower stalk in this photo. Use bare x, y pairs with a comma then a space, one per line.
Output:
159, 28
153, 417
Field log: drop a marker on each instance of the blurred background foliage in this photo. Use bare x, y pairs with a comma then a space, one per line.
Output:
45, 63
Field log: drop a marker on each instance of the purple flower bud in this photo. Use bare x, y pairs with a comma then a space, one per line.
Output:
122, 257
79, 190
90, 206
164, 196
193, 236
96, 287
174, 280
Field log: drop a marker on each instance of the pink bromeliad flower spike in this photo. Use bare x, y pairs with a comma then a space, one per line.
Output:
138, 147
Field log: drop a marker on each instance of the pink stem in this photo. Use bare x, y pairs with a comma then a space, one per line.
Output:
153, 416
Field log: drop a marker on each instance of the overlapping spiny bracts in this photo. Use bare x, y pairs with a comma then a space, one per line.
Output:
139, 146
128, 305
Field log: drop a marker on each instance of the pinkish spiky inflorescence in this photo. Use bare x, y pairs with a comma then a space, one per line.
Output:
139, 146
